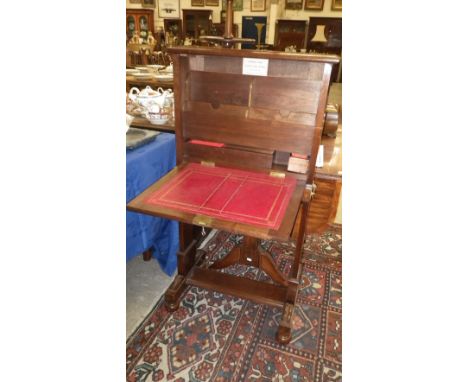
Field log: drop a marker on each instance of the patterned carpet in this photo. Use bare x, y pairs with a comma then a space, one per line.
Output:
215, 337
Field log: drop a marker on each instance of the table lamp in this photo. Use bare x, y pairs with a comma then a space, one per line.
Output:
319, 34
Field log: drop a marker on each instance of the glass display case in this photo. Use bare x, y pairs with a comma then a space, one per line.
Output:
141, 21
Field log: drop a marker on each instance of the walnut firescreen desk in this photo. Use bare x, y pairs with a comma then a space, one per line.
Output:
228, 125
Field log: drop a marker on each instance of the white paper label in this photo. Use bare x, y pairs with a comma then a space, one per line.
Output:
319, 162
255, 66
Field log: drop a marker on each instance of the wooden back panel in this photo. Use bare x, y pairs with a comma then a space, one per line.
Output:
282, 111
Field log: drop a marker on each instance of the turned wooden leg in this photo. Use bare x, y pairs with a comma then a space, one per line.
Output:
148, 254
185, 262
173, 294
284, 334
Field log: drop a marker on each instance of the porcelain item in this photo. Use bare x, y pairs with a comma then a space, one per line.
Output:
156, 115
129, 120
147, 96
155, 67
142, 68
142, 75
164, 77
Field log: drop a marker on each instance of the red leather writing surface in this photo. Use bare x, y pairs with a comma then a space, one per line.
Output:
230, 194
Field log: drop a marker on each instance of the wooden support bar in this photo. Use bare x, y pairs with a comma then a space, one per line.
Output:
257, 291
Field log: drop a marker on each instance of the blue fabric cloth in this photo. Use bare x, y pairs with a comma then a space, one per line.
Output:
145, 165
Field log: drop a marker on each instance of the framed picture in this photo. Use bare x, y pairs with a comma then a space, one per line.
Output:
293, 4
237, 5
258, 5
169, 9
336, 5
148, 3
212, 3
313, 5
197, 3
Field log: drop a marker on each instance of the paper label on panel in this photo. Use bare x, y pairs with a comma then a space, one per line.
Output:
255, 66
319, 162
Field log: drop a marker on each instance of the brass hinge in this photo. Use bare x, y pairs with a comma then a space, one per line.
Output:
207, 163
277, 174
309, 192
203, 221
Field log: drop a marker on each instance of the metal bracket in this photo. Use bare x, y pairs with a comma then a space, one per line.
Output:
277, 174
309, 192
207, 163
203, 221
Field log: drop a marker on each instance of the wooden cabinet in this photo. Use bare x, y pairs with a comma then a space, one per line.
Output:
174, 27
290, 32
332, 45
196, 23
218, 30
141, 21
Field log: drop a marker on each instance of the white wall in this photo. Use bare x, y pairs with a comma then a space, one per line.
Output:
281, 13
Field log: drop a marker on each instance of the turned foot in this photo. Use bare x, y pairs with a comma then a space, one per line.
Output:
171, 306
174, 293
283, 335
148, 254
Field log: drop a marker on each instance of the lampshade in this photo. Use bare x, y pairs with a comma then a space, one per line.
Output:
319, 34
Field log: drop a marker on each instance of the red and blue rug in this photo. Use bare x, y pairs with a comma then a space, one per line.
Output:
216, 337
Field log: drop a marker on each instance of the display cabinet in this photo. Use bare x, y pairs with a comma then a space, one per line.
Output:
324, 36
218, 29
174, 26
196, 23
290, 32
141, 21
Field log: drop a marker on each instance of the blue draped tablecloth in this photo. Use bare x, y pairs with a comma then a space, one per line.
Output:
145, 165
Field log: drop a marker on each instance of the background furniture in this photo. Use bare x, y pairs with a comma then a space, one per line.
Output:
196, 22
250, 30
324, 206
290, 32
333, 37
140, 20
145, 165
218, 29
175, 27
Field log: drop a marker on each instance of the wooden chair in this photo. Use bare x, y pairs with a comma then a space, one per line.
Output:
241, 121
159, 58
